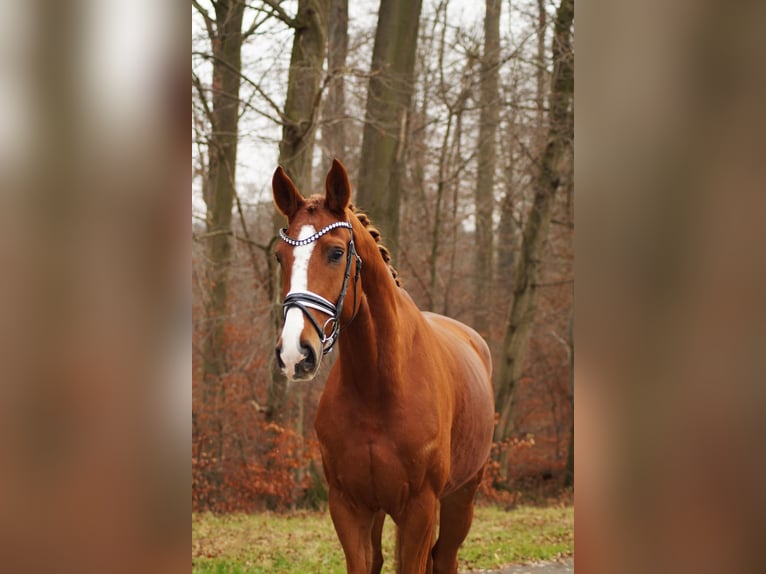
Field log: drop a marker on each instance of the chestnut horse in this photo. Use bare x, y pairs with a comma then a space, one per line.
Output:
406, 417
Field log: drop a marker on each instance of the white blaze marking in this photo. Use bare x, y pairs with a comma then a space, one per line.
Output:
299, 281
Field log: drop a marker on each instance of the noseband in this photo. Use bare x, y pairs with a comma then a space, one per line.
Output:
304, 300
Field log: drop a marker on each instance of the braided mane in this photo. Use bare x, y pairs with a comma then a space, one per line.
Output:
375, 233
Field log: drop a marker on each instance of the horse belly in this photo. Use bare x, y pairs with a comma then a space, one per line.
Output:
472, 430
469, 367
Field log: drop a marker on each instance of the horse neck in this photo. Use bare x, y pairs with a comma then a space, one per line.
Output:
371, 345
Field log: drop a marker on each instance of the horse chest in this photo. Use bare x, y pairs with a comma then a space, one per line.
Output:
376, 463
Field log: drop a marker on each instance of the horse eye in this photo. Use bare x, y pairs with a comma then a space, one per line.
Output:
336, 254
278, 258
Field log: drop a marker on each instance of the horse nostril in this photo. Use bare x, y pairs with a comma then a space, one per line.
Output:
278, 352
310, 361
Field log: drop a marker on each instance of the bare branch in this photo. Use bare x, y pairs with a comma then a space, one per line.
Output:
248, 240
209, 22
282, 118
567, 224
203, 99
254, 26
272, 103
318, 100
278, 12
554, 283
566, 344
209, 234
403, 256
246, 104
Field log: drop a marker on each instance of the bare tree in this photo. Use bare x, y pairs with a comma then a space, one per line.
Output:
225, 31
302, 104
388, 99
569, 469
507, 245
484, 193
547, 177
303, 89
542, 25
333, 124
449, 163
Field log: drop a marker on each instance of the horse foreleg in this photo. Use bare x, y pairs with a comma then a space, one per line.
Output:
454, 524
354, 526
415, 533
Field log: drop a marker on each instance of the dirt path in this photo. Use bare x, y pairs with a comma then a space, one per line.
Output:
563, 566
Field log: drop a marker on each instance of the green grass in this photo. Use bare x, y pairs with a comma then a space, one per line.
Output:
306, 542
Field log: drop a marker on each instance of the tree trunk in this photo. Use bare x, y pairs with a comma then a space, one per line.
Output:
484, 196
303, 91
219, 192
542, 17
436, 229
569, 469
388, 99
521, 313
219, 186
295, 153
334, 106
457, 162
507, 234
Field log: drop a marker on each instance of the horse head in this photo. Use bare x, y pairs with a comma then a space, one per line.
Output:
320, 267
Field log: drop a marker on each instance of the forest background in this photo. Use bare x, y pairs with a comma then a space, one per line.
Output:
455, 121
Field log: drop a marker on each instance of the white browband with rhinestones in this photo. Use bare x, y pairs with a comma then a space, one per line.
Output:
311, 238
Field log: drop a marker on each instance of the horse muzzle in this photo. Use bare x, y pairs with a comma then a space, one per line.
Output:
301, 366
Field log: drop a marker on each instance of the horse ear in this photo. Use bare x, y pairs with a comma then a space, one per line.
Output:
337, 188
286, 196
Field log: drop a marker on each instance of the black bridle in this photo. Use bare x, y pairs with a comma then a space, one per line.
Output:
305, 300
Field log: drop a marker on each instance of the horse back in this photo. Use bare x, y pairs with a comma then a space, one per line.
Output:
455, 331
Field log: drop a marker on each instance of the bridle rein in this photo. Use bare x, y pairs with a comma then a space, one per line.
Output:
305, 300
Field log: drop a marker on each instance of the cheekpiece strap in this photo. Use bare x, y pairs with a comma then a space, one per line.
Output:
311, 238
